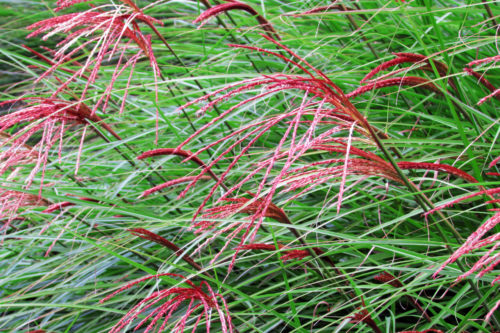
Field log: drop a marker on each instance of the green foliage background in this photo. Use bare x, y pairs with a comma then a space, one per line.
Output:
379, 228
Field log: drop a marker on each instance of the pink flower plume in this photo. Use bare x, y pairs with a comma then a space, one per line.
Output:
476, 241
52, 117
11, 202
166, 301
495, 94
103, 32
484, 61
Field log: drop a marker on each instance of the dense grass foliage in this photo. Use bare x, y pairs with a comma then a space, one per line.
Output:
266, 166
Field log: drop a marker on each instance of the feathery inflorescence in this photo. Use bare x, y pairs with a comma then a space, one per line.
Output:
476, 241
332, 124
107, 33
320, 93
11, 202
211, 222
163, 304
188, 156
50, 116
319, 120
171, 183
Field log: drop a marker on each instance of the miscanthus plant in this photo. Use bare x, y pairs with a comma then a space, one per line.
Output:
257, 166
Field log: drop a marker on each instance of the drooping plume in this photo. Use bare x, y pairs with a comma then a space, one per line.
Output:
106, 33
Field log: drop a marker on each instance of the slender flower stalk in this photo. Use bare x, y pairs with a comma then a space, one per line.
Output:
236, 5
183, 153
323, 9
51, 63
146, 234
390, 279
412, 81
170, 183
412, 58
495, 92
60, 205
